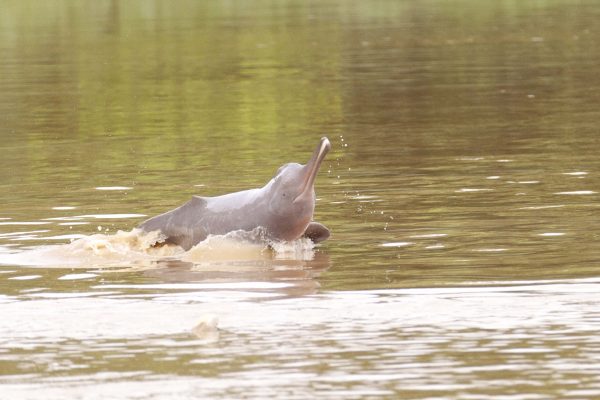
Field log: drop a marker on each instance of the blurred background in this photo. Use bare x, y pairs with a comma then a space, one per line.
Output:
421, 100
461, 192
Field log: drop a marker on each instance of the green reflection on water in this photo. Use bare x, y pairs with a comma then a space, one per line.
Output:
453, 124
162, 96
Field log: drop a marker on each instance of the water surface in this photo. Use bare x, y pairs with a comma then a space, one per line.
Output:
462, 191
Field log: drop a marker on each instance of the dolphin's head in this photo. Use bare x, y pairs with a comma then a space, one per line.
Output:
292, 195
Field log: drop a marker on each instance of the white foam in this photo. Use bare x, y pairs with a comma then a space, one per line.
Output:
110, 216
248, 246
96, 249
301, 249
237, 245
396, 244
430, 235
541, 207
25, 223
491, 250
113, 188
25, 277
435, 246
199, 286
472, 190
73, 277
577, 192
25, 233
138, 248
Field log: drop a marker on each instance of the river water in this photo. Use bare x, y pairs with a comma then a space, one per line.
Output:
461, 192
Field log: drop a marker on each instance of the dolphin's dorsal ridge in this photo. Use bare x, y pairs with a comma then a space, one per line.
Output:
198, 200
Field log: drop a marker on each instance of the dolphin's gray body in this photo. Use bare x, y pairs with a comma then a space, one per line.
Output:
283, 208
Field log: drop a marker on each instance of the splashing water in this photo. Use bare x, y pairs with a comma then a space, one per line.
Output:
139, 247
243, 245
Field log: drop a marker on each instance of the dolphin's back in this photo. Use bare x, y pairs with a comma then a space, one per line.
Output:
182, 226
191, 223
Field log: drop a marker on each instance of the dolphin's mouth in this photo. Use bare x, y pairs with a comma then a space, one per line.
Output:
312, 168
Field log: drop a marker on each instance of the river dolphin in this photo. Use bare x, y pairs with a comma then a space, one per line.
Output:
283, 209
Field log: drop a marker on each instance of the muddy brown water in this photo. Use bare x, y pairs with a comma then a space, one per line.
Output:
462, 192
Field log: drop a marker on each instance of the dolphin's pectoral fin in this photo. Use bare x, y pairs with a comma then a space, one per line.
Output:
316, 232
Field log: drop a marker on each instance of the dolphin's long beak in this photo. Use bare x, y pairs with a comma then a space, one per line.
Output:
312, 168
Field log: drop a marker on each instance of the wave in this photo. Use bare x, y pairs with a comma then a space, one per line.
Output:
143, 248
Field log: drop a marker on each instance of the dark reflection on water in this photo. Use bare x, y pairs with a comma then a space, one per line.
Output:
465, 142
